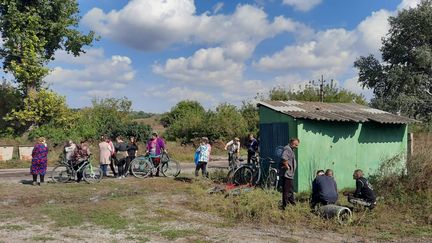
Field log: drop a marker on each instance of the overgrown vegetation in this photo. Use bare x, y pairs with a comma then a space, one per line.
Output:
188, 120
163, 208
106, 116
331, 94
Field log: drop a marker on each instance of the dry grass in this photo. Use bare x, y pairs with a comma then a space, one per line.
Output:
161, 209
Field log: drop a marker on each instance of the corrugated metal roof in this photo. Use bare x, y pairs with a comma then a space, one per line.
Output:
343, 112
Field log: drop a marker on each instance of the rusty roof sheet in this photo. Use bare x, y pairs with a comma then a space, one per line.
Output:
342, 112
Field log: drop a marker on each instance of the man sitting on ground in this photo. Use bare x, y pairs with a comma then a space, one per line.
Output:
324, 190
364, 194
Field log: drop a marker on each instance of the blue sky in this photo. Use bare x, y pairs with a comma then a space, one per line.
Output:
158, 52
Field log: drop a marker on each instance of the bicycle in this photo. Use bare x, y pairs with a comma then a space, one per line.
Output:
253, 174
65, 171
143, 166
233, 165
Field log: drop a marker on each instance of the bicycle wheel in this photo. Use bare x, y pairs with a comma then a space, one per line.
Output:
171, 168
272, 180
92, 174
141, 167
244, 175
230, 177
164, 157
61, 173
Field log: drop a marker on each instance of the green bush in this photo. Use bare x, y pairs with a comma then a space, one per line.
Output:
188, 120
106, 117
10, 98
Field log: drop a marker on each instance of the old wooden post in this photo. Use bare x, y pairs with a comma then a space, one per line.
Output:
410, 144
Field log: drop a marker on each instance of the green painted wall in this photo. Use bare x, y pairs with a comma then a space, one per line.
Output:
341, 146
270, 116
344, 147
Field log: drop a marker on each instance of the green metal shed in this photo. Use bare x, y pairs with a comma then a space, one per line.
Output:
338, 136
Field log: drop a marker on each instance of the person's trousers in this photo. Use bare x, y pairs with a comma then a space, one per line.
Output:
250, 155
112, 166
361, 202
127, 165
120, 166
40, 176
104, 169
80, 172
232, 160
203, 167
287, 192
156, 162
319, 201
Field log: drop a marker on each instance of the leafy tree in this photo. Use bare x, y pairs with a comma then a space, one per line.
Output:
227, 122
311, 93
105, 117
40, 108
32, 31
108, 114
185, 121
10, 98
249, 112
402, 81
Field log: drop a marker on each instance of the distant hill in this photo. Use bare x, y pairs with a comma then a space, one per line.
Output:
153, 121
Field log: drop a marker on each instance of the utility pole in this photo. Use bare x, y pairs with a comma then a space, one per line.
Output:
322, 89
320, 83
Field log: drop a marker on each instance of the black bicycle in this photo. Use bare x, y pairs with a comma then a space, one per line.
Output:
65, 172
253, 174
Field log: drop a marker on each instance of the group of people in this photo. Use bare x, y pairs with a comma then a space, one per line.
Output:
121, 153
202, 153
113, 154
324, 187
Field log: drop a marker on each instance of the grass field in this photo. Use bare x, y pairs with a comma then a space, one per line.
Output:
162, 209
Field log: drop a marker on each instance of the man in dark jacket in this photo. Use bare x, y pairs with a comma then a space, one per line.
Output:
287, 172
252, 148
364, 194
324, 191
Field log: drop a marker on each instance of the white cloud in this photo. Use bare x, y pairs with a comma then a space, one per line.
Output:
217, 7
157, 24
176, 94
302, 5
353, 85
371, 30
91, 56
94, 73
329, 52
207, 67
405, 4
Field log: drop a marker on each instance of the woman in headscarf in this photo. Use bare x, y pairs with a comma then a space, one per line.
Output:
39, 160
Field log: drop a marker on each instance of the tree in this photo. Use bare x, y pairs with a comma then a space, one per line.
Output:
40, 108
249, 112
10, 98
32, 31
227, 122
185, 121
332, 94
402, 81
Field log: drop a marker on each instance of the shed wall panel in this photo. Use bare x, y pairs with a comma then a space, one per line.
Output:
344, 147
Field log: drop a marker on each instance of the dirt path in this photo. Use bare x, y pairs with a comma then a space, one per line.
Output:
22, 175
